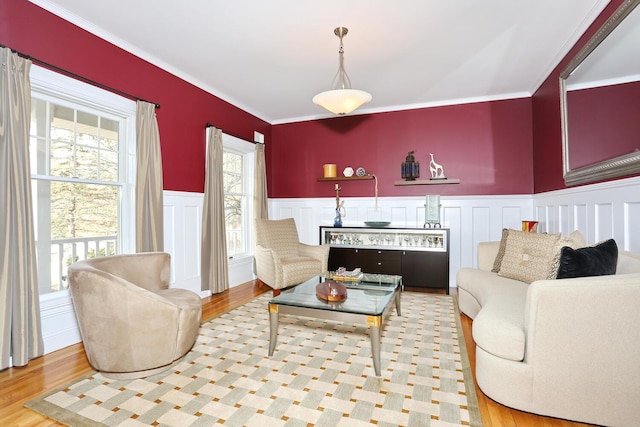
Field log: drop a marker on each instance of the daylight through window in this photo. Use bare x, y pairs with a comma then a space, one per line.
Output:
79, 183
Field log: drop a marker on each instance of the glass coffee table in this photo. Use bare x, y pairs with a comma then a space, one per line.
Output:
368, 302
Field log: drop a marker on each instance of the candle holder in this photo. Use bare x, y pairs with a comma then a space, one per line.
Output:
337, 220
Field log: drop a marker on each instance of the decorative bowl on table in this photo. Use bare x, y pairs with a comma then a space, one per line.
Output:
377, 223
331, 291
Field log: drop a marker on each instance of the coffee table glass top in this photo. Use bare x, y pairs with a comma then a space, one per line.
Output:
369, 296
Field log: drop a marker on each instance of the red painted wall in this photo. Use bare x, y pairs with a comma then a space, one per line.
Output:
185, 109
606, 122
487, 145
547, 131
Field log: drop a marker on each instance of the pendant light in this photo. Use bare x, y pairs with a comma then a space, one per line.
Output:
341, 99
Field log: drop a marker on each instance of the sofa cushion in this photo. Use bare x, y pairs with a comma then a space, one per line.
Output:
528, 256
499, 327
484, 284
497, 263
628, 263
598, 260
574, 240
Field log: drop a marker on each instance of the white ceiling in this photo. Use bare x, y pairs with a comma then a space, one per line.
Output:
271, 57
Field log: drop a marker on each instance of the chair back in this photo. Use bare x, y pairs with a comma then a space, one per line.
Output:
280, 235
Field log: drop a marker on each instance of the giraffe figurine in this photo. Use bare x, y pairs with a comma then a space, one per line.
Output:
437, 172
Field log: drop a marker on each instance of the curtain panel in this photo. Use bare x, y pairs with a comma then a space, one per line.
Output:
20, 328
214, 270
260, 206
149, 204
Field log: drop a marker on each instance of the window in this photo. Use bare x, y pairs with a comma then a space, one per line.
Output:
238, 171
81, 164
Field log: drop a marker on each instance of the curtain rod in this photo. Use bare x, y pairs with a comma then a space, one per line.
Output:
78, 77
209, 125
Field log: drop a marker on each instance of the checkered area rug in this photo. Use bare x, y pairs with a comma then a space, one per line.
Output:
321, 374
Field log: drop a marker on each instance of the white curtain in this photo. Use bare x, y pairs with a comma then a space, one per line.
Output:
214, 269
149, 204
20, 329
260, 206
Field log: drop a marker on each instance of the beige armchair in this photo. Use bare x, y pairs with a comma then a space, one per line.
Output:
132, 325
281, 260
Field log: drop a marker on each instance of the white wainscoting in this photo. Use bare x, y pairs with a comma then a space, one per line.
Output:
600, 211
58, 319
182, 239
471, 219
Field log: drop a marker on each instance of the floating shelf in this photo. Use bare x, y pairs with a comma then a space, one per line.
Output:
346, 178
429, 181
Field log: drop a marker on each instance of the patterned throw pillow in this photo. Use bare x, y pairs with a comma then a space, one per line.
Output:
503, 244
574, 240
528, 256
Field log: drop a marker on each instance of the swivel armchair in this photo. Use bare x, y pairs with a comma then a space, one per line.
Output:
132, 325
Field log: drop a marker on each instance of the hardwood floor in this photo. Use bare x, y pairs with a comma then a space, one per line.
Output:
18, 385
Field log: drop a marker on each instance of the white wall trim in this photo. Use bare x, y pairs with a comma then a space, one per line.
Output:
182, 239
599, 211
471, 219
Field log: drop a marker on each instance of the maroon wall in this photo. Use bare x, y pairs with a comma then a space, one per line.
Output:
184, 111
487, 145
547, 131
605, 121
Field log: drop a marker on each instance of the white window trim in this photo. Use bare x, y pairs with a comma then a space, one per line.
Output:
49, 84
248, 150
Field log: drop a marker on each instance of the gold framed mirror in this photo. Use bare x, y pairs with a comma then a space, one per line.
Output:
600, 102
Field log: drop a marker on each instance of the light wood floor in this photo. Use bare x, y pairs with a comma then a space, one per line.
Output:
18, 385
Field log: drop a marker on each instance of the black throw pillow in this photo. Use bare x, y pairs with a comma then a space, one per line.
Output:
599, 260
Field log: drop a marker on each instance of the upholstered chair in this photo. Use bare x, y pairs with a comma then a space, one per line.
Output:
281, 259
132, 325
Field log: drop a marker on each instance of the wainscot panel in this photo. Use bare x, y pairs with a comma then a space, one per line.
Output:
471, 219
600, 211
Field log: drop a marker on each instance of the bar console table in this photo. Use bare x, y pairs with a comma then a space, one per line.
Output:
419, 255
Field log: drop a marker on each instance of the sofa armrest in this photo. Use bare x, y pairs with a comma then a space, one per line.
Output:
581, 333
319, 252
148, 270
487, 252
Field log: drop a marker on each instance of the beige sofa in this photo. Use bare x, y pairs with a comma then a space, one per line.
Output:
132, 324
565, 348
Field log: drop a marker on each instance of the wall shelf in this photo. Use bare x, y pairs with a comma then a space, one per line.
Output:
346, 178
429, 181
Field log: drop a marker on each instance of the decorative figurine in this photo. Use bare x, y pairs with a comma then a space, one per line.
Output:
410, 168
437, 172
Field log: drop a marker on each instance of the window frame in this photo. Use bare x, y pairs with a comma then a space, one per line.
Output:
247, 150
65, 91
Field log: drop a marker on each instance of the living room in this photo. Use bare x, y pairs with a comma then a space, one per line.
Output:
506, 153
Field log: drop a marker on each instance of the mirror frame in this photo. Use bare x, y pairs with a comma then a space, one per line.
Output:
627, 164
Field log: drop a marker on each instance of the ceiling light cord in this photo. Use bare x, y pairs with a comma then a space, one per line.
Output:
341, 99
341, 80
